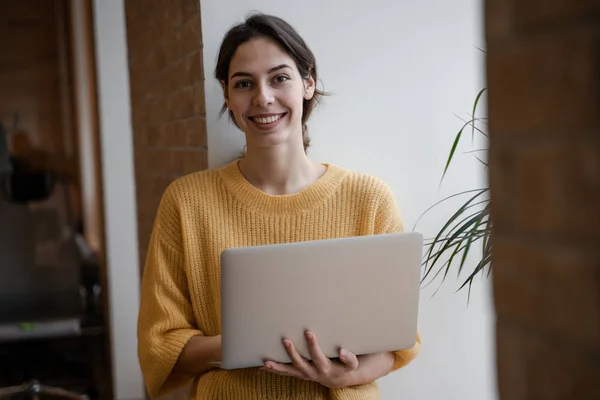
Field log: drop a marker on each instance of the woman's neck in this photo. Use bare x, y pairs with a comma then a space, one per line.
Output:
280, 170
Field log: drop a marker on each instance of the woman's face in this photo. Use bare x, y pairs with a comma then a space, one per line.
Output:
265, 93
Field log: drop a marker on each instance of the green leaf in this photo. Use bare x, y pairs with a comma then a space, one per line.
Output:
475, 108
475, 151
452, 219
467, 208
447, 261
454, 239
485, 213
453, 150
484, 261
464, 228
451, 245
481, 161
443, 200
453, 234
472, 122
470, 222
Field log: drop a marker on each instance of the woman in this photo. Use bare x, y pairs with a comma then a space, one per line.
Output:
273, 194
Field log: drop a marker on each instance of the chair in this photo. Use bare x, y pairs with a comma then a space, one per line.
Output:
43, 293
34, 388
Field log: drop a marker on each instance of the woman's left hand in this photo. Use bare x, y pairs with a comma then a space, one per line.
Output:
321, 369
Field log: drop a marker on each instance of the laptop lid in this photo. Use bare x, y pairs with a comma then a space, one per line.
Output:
360, 293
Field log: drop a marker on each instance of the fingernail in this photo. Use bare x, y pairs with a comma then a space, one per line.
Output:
286, 343
343, 353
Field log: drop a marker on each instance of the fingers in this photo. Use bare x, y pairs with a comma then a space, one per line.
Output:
318, 358
297, 360
282, 369
348, 359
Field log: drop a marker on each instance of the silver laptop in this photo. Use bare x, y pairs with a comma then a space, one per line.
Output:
360, 293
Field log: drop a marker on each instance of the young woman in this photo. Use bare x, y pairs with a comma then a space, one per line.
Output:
273, 194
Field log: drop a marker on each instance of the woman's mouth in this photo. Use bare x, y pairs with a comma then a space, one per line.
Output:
267, 121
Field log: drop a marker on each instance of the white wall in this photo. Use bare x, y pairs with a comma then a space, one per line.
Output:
399, 70
119, 196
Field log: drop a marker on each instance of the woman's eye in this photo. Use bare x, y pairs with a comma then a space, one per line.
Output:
242, 84
281, 78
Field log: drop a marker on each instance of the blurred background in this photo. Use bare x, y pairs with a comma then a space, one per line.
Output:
103, 103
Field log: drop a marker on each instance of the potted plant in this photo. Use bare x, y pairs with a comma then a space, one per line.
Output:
469, 226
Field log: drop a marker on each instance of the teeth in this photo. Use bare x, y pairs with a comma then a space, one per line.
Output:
267, 120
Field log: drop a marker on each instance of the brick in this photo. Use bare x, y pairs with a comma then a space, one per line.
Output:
152, 160
499, 20
546, 84
174, 77
167, 99
182, 73
29, 81
155, 61
131, 19
138, 116
180, 104
509, 20
151, 194
550, 188
161, 28
189, 133
190, 7
154, 88
551, 14
534, 365
199, 98
554, 287
30, 10
159, 185
174, 15
172, 135
158, 111
152, 136
187, 38
512, 369
139, 80
187, 161
195, 132
196, 67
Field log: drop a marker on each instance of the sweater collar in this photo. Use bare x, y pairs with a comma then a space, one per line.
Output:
258, 201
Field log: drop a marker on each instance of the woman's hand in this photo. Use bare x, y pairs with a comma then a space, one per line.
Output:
328, 373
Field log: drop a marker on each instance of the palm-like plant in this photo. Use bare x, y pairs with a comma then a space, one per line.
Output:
469, 225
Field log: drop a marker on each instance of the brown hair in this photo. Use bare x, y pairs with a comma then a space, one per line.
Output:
261, 25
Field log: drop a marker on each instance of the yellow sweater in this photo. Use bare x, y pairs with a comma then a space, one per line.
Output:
204, 213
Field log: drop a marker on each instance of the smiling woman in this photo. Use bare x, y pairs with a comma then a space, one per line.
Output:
297, 63
265, 91
274, 194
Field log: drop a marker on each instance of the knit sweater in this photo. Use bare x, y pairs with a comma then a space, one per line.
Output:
202, 214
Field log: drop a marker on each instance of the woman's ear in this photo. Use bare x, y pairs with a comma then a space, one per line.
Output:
309, 88
225, 95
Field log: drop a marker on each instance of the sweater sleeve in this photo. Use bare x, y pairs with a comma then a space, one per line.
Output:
389, 220
166, 320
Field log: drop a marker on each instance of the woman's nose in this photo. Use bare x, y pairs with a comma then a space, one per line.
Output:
263, 96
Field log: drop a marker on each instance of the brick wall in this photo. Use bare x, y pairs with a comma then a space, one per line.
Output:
36, 83
164, 40
543, 72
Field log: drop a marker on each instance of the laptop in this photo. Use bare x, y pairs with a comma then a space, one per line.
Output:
360, 293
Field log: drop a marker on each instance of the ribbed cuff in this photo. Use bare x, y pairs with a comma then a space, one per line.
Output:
164, 380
